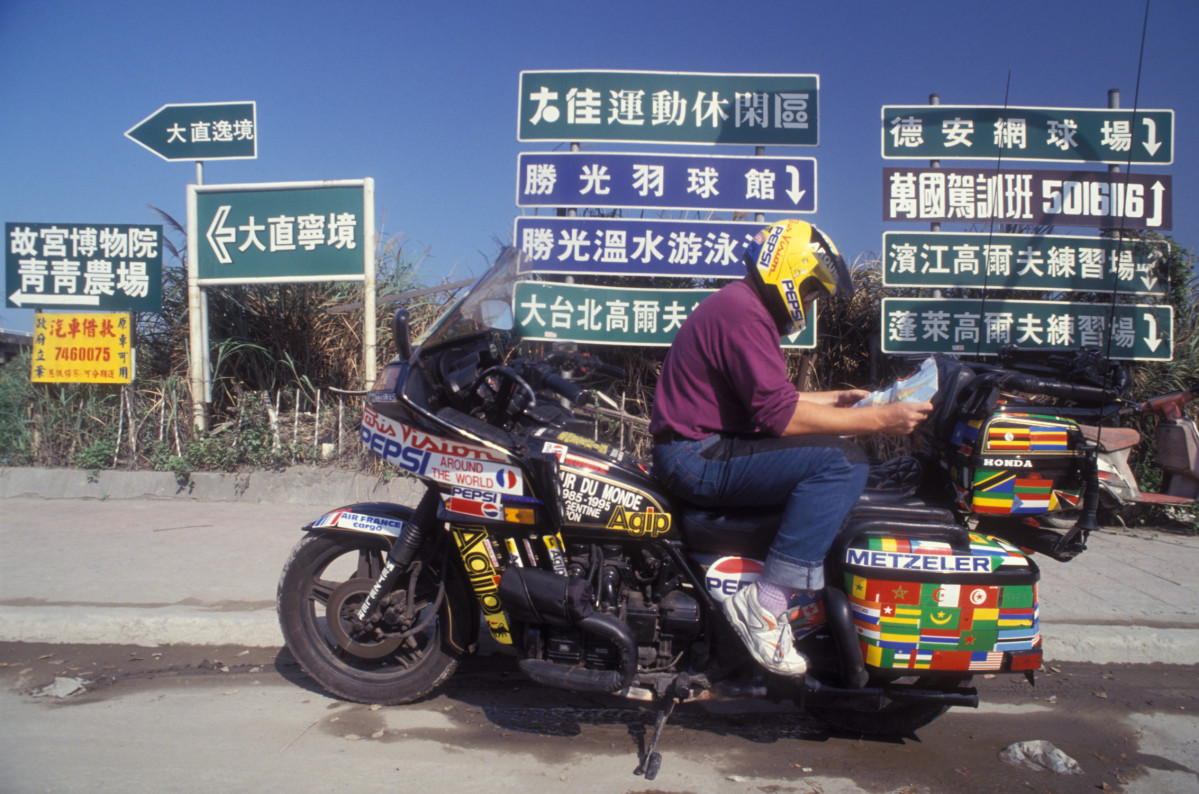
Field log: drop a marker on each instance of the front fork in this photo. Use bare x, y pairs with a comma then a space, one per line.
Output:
403, 550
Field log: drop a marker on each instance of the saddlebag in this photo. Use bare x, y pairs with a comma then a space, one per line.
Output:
929, 596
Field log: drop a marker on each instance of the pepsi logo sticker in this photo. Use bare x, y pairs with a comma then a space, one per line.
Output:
474, 502
728, 575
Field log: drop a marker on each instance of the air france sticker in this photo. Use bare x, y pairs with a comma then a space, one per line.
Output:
473, 502
360, 522
728, 575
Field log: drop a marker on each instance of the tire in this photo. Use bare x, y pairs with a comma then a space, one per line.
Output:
376, 665
895, 719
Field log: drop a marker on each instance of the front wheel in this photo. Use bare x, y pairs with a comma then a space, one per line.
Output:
399, 654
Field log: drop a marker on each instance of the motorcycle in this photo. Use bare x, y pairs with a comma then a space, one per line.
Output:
577, 562
1099, 412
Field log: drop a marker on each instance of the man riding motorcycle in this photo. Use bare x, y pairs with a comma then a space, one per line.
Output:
730, 429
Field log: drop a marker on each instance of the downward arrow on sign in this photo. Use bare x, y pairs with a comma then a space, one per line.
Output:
793, 192
1153, 144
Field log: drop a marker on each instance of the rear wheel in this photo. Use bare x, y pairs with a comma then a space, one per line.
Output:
399, 654
894, 719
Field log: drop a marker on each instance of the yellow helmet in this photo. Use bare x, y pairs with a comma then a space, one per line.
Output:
792, 263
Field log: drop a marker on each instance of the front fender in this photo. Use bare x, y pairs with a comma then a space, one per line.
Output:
381, 519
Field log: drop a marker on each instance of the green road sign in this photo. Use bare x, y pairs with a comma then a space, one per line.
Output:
669, 107
210, 131
612, 315
281, 232
1053, 263
1118, 137
83, 266
974, 327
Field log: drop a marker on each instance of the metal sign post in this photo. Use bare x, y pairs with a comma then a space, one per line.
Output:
272, 233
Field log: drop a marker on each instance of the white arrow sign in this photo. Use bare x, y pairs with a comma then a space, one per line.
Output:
794, 193
1158, 191
224, 235
1152, 339
1153, 144
23, 299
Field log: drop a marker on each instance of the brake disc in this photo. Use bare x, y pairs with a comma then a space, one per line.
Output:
341, 618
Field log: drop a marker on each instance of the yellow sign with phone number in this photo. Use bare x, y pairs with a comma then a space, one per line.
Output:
82, 348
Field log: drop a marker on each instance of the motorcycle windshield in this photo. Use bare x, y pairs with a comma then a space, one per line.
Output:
486, 306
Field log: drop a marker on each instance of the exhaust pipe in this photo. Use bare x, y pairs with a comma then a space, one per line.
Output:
876, 698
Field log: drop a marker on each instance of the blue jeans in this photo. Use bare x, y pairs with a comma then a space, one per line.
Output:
818, 478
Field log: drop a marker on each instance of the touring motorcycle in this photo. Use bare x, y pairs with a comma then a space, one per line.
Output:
567, 552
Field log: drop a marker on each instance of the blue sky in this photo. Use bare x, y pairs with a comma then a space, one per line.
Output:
422, 97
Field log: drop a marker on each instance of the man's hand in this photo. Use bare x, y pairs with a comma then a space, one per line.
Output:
824, 415
901, 418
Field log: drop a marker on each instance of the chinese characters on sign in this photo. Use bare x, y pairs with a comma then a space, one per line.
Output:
1119, 137
1008, 261
1057, 265
71, 265
283, 232
210, 131
634, 247
972, 327
612, 315
82, 348
1061, 198
665, 181
669, 107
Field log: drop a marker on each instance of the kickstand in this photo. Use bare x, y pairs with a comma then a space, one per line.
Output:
651, 762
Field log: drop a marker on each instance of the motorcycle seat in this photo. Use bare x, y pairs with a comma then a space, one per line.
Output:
725, 531
1111, 439
748, 531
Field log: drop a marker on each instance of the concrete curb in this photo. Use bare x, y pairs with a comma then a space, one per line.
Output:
147, 627
259, 628
1114, 644
327, 487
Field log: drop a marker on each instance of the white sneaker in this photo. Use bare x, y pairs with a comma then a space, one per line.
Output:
767, 636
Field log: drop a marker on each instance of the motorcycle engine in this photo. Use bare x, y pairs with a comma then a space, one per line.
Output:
645, 591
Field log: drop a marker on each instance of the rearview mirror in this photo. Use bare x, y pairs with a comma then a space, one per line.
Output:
401, 333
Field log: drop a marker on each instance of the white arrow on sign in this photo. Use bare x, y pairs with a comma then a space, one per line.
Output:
1149, 281
794, 193
1158, 191
1153, 144
224, 234
23, 299
1152, 339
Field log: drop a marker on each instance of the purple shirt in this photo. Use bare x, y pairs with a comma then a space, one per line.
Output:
725, 371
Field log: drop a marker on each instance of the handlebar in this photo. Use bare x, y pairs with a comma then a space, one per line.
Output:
1169, 405
1020, 381
547, 376
586, 365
